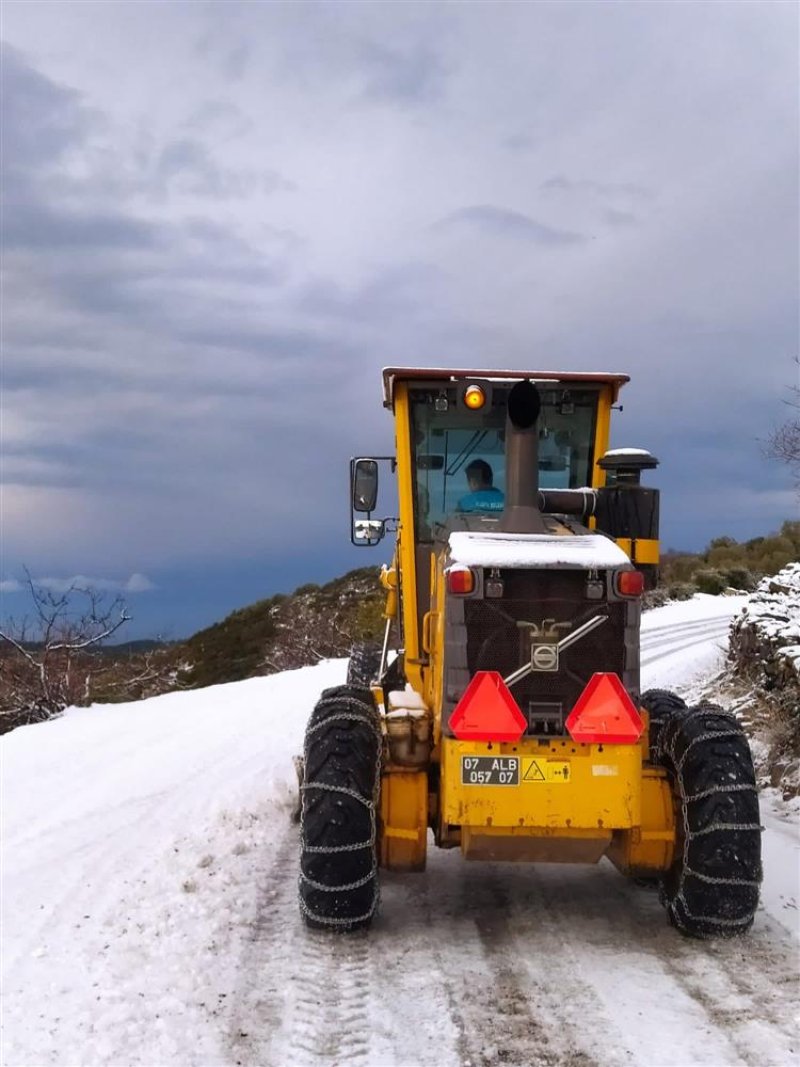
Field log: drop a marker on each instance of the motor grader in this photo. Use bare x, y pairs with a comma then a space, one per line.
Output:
503, 711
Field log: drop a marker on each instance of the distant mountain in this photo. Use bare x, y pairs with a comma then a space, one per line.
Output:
133, 648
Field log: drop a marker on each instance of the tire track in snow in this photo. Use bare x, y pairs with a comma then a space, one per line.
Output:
721, 983
526, 1029
258, 993
616, 937
654, 634
669, 648
727, 979
466, 941
330, 1023
302, 995
489, 964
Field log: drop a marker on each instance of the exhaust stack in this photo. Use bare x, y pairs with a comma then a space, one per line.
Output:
521, 513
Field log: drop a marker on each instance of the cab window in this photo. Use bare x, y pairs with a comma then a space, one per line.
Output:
447, 439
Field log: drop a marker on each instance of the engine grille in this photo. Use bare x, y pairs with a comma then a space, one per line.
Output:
495, 642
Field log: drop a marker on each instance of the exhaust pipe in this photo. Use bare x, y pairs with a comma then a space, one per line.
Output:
521, 513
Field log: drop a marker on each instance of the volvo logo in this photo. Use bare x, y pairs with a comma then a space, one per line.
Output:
546, 647
544, 657
544, 642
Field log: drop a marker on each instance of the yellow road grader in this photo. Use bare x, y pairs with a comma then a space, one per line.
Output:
503, 711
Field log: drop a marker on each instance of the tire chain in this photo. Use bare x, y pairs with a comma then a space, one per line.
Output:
370, 804
664, 750
364, 664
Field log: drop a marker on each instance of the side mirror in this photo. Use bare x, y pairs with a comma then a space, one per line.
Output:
365, 486
368, 531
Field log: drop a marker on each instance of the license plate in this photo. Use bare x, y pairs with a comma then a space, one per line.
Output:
489, 770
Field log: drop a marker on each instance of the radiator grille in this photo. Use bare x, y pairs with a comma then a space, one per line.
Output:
495, 642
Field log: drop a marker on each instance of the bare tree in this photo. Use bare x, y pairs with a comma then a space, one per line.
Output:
784, 442
48, 658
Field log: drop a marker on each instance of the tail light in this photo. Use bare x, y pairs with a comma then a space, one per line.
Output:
460, 580
629, 583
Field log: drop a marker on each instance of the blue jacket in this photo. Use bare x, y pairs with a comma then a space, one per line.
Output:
490, 499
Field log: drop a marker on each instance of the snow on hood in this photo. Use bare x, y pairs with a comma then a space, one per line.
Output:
536, 550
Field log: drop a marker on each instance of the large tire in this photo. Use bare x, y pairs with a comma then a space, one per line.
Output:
711, 890
364, 664
338, 862
661, 705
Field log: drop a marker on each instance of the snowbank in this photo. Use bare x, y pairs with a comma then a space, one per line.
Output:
135, 841
149, 876
765, 638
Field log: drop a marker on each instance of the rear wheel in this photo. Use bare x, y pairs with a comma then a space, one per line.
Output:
338, 863
661, 704
711, 890
364, 664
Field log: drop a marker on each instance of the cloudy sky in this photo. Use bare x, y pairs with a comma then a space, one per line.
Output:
221, 220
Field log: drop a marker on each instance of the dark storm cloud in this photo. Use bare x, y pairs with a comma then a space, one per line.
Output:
39, 226
235, 62
63, 242
208, 265
222, 117
620, 219
401, 290
506, 223
604, 190
414, 74
41, 120
123, 330
520, 142
292, 345
187, 165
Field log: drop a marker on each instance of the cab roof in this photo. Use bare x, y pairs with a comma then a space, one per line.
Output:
392, 375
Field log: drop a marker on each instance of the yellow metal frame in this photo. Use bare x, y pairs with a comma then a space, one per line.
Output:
602, 434
640, 549
404, 819
405, 540
612, 802
602, 792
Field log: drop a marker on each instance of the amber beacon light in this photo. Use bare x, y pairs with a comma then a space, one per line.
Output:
474, 397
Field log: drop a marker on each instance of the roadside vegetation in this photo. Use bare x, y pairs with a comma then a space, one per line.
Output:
725, 564
60, 656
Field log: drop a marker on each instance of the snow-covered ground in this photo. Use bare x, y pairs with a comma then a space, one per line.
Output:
149, 875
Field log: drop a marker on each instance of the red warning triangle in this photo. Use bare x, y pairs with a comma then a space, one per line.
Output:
487, 711
605, 714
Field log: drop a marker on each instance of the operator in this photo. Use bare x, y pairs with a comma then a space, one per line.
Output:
482, 495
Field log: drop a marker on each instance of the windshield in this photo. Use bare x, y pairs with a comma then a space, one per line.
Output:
459, 455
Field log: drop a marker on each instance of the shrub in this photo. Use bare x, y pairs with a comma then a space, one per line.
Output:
681, 590
740, 578
710, 581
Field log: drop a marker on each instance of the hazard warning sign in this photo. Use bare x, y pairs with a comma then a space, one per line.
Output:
545, 770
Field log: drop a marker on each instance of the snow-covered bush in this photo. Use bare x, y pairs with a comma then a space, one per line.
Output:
765, 638
765, 651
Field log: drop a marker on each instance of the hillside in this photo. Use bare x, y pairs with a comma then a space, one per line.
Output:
316, 622
281, 633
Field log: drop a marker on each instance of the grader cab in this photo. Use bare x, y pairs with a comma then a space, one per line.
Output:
503, 711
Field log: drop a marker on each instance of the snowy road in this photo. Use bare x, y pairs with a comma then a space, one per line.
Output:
150, 912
